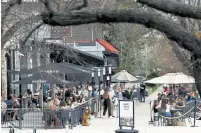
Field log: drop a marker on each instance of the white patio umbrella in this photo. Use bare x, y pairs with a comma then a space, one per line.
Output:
123, 76
172, 78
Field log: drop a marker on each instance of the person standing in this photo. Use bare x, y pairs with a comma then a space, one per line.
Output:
63, 114
106, 103
112, 100
119, 97
142, 93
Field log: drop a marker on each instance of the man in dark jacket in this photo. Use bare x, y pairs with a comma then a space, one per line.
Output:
142, 93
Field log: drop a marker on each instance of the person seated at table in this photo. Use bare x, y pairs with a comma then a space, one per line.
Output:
3, 110
180, 103
188, 97
63, 114
162, 96
69, 103
81, 99
165, 107
172, 103
16, 106
10, 103
159, 97
166, 91
51, 114
155, 105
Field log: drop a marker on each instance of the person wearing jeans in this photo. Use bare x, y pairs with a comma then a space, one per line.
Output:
119, 97
106, 103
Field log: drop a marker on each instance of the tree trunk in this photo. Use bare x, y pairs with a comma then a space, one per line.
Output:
172, 30
182, 58
3, 75
197, 75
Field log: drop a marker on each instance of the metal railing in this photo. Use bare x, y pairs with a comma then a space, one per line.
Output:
189, 113
48, 119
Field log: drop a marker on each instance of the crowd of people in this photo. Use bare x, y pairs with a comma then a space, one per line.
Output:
173, 98
112, 95
60, 99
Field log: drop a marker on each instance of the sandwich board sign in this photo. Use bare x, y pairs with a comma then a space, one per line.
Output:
126, 116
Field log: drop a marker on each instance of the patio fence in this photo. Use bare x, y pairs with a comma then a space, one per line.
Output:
180, 116
49, 119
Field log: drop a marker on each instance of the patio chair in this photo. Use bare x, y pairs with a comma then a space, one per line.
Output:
179, 121
9, 114
161, 120
189, 114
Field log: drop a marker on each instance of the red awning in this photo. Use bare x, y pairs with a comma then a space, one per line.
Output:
108, 47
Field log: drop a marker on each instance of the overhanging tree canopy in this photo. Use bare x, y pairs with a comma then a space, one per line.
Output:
174, 31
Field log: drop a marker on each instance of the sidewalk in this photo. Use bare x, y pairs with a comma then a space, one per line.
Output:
142, 116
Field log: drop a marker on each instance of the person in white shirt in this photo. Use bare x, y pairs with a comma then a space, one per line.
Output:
112, 98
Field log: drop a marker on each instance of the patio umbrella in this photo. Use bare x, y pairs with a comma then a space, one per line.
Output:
43, 78
172, 78
79, 77
123, 77
62, 67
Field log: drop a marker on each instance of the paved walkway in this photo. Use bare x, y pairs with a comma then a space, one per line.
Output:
142, 116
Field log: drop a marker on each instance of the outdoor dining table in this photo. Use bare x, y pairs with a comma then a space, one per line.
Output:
179, 121
173, 111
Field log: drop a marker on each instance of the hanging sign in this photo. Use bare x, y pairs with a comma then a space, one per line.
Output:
39, 81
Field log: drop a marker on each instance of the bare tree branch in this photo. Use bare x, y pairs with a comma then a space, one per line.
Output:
7, 10
172, 30
47, 5
84, 4
174, 7
181, 57
8, 35
31, 32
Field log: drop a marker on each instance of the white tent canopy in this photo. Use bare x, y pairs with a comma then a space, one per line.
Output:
123, 76
172, 78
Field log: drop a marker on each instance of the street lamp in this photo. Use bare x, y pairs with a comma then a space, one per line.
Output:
104, 73
92, 75
99, 80
110, 70
99, 101
108, 80
109, 74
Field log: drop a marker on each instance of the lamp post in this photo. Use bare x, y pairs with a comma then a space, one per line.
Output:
104, 73
99, 98
109, 74
92, 75
64, 86
108, 80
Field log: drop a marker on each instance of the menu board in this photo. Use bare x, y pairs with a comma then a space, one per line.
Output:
126, 113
